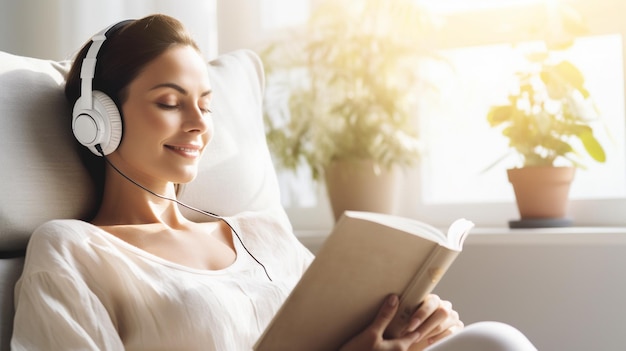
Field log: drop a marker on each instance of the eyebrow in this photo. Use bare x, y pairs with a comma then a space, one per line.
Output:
179, 88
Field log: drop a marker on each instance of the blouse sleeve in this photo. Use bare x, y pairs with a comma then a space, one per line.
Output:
55, 307
56, 312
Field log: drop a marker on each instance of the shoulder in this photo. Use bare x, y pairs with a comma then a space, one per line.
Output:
63, 224
57, 241
270, 234
60, 230
272, 221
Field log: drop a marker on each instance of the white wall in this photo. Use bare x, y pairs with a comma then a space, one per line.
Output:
564, 291
55, 29
239, 24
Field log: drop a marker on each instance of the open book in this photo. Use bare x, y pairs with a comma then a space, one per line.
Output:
366, 257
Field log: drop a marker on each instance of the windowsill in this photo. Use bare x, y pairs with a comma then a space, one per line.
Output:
313, 239
571, 235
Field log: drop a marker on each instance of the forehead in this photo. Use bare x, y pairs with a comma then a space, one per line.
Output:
182, 65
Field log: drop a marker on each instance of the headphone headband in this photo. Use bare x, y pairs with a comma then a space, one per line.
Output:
88, 67
96, 121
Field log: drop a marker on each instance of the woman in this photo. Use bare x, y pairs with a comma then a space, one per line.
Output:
141, 276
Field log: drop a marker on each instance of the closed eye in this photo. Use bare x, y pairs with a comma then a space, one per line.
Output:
167, 106
175, 107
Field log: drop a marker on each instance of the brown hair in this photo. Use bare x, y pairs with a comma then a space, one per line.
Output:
121, 58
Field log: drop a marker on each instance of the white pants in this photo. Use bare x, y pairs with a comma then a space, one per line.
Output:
485, 336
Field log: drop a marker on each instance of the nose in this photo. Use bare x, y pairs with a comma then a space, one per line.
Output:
196, 120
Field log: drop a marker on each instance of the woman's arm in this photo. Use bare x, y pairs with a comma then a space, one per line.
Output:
56, 312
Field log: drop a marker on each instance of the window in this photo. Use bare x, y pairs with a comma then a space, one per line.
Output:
458, 137
452, 181
461, 145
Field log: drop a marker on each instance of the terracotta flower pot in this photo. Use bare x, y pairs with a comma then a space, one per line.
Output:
356, 185
541, 192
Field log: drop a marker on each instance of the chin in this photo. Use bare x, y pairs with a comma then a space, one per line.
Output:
187, 178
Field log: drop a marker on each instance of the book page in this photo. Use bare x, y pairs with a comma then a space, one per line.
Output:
453, 239
402, 224
457, 233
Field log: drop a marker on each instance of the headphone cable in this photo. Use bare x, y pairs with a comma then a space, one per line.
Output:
206, 213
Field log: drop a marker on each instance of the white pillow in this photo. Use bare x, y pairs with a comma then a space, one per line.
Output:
41, 177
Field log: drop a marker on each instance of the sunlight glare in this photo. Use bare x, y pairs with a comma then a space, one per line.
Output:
449, 6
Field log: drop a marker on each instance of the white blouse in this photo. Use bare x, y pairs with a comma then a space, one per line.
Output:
85, 289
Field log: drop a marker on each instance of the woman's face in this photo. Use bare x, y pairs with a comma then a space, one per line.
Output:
167, 121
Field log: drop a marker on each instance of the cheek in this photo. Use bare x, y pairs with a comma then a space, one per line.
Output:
141, 123
136, 134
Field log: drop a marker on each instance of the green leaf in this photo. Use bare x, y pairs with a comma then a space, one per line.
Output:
593, 147
570, 74
499, 114
558, 146
555, 86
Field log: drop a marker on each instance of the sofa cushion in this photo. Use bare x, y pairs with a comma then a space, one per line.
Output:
10, 271
42, 177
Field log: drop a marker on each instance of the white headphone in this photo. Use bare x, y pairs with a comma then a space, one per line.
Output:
96, 120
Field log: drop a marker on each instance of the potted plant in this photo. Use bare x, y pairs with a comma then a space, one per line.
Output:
342, 95
547, 121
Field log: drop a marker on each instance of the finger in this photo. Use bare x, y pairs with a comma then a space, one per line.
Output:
385, 314
384, 317
433, 339
442, 319
423, 312
424, 343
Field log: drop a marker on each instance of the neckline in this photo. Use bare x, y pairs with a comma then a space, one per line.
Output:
165, 262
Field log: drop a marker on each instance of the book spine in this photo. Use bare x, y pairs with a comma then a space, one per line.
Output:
422, 284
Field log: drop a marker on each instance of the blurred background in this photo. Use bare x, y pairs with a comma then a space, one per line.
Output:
482, 43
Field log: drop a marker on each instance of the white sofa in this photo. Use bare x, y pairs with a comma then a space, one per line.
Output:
42, 178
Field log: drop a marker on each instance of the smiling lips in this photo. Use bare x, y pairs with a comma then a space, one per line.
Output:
187, 151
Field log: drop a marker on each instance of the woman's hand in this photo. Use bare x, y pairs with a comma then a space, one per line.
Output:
433, 320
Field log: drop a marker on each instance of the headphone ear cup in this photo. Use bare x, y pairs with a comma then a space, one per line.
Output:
101, 125
112, 122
